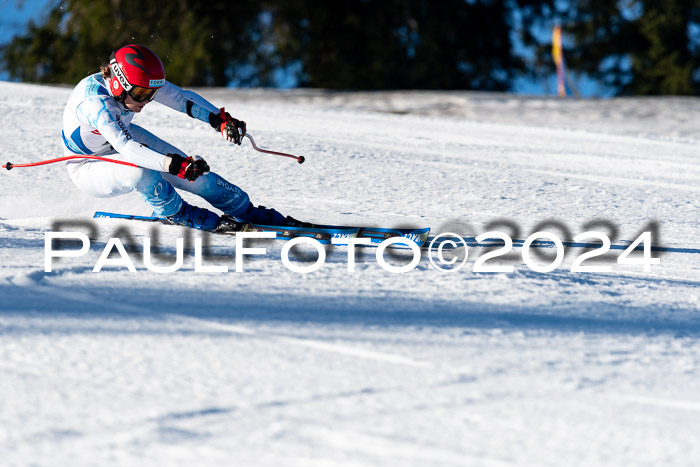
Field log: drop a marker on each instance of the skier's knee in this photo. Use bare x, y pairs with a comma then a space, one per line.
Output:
133, 176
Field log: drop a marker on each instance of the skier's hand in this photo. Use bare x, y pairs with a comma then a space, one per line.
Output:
189, 168
232, 129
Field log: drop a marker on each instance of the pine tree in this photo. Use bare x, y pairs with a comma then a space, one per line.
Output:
641, 47
200, 43
397, 44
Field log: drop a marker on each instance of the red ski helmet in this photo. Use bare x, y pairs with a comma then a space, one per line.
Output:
136, 71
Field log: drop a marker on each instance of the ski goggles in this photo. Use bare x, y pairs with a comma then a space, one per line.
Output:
141, 94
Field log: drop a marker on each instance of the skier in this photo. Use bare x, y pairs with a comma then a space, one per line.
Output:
97, 121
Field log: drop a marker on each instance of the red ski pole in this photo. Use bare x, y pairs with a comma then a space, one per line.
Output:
299, 159
10, 165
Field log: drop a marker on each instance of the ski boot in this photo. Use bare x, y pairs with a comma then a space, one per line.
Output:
195, 217
265, 216
228, 224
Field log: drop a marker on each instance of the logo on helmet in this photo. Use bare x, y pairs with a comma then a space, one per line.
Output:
154, 83
117, 70
131, 59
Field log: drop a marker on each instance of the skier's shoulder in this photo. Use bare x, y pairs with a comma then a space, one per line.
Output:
91, 85
97, 105
95, 86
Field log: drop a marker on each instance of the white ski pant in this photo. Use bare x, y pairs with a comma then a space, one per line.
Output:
106, 179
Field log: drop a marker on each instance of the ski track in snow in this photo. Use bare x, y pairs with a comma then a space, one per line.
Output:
268, 367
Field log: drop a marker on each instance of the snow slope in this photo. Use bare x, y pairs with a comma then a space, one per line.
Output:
270, 367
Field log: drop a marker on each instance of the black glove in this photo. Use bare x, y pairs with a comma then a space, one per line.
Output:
230, 128
189, 168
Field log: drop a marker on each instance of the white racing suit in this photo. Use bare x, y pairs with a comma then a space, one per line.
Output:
94, 123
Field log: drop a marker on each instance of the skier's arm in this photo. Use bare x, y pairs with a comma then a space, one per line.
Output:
103, 114
196, 106
188, 102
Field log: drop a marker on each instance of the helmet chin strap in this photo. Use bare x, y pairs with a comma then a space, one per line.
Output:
121, 98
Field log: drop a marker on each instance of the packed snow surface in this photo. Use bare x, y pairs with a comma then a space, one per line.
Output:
269, 367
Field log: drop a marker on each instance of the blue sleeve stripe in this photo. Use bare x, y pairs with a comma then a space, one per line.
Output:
71, 147
75, 143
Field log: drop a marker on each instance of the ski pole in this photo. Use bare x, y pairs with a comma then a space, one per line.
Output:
10, 165
300, 159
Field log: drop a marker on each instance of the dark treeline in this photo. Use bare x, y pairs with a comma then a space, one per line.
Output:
633, 46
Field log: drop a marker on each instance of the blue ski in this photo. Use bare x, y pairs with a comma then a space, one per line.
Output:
322, 234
